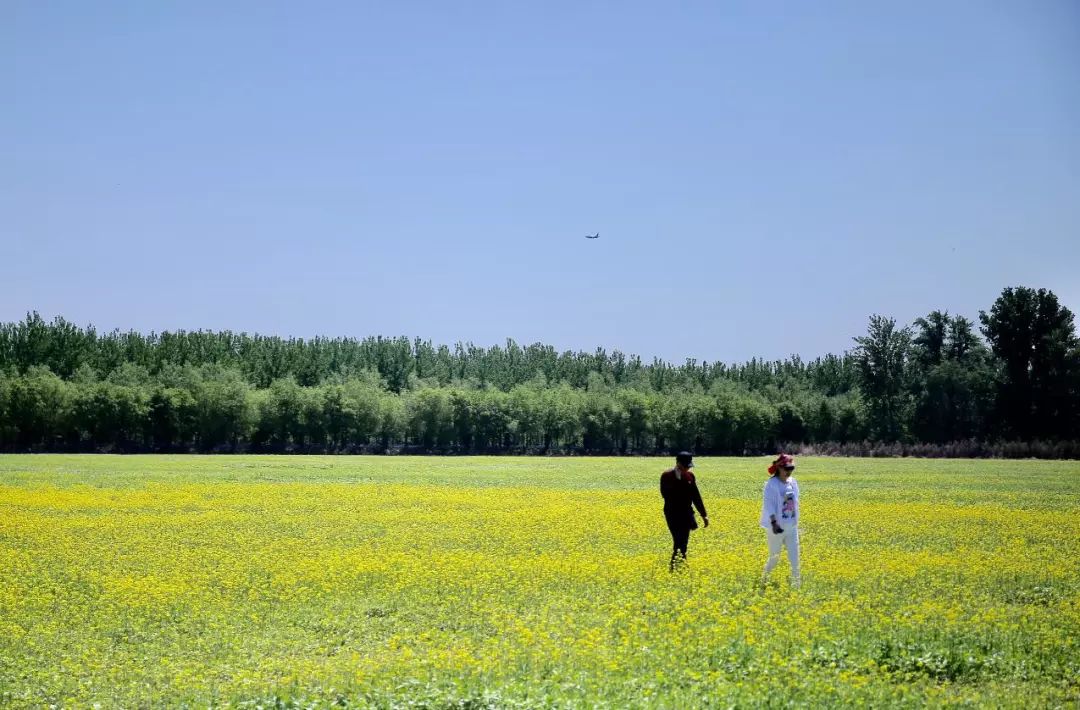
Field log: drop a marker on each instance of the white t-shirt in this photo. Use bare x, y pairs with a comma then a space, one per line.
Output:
782, 501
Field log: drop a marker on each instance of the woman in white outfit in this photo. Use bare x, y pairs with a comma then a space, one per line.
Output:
780, 515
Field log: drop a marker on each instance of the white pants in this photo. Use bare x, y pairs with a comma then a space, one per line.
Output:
789, 539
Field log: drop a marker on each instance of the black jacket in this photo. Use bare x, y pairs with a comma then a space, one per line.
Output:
681, 496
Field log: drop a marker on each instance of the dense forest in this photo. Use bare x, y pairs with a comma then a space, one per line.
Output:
941, 386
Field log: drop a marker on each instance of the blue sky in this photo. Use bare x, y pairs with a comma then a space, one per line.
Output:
764, 176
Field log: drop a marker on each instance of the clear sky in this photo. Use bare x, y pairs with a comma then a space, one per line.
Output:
764, 176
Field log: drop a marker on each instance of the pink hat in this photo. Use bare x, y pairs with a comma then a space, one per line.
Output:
782, 461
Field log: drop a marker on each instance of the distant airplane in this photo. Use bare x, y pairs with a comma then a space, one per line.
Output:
593, 236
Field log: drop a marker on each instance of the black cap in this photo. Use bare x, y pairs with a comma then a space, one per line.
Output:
685, 458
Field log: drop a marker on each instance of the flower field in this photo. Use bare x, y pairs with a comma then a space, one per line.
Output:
245, 581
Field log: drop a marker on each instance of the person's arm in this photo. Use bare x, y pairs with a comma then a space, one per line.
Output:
772, 506
695, 497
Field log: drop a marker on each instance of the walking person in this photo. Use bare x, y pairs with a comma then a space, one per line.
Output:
680, 492
780, 515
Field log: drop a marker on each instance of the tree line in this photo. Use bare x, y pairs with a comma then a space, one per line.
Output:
940, 380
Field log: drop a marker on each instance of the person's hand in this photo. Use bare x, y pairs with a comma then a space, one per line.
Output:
776, 528
705, 519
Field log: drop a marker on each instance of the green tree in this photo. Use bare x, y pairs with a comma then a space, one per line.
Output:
112, 416
791, 427
952, 402
173, 418
38, 409
1034, 337
884, 360
281, 415
392, 420
953, 380
224, 409
431, 418
930, 337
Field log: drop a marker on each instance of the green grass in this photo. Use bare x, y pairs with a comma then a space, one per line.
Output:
152, 581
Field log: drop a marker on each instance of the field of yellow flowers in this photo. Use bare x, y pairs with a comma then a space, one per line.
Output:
246, 581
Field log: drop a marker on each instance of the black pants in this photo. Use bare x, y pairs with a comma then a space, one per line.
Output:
679, 525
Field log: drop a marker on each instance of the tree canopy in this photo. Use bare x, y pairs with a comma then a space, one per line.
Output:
67, 388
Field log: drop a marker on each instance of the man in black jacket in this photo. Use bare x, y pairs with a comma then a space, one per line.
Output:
679, 489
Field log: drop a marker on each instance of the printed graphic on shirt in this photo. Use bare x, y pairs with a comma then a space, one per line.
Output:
787, 511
